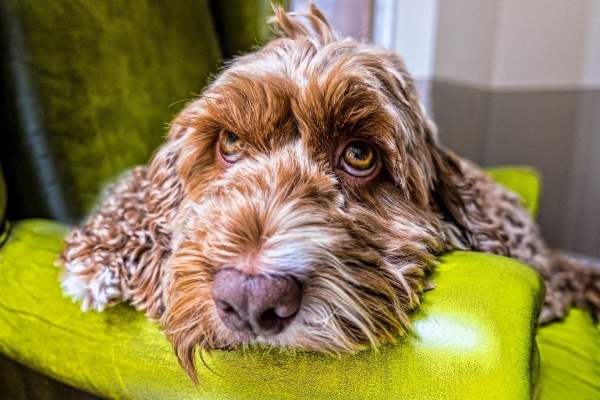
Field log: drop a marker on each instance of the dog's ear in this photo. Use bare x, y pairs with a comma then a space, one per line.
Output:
448, 186
456, 196
117, 254
162, 198
166, 187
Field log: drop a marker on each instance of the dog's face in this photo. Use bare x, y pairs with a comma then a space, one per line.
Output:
308, 219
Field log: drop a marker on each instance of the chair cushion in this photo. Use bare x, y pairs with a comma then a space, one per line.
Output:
570, 356
473, 337
524, 181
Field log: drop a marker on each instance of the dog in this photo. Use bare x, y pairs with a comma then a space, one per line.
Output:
301, 202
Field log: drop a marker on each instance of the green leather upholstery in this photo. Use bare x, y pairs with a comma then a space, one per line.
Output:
570, 357
3, 224
3, 196
94, 85
474, 338
570, 350
242, 24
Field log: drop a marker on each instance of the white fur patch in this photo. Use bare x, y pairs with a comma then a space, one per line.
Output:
98, 292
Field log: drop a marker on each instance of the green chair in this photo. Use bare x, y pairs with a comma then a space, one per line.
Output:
89, 87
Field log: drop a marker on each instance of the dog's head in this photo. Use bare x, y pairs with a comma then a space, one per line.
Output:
312, 199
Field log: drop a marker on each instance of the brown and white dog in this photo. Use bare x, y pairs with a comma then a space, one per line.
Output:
301, 202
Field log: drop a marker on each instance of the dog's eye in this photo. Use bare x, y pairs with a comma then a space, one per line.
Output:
230, 146
358, 159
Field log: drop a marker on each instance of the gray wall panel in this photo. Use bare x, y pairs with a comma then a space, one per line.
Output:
556, 132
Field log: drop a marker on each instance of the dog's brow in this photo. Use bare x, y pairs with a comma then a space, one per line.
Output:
255, 106
342, 107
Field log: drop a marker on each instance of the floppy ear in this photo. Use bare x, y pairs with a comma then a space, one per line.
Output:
462, 193
161, 200
117, 254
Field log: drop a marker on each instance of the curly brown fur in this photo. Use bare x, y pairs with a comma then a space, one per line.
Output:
287, 206
118, 253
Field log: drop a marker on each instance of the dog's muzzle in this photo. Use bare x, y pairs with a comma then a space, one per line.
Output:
263, 305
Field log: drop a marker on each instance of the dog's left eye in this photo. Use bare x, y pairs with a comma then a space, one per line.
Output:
230, 146
358, 159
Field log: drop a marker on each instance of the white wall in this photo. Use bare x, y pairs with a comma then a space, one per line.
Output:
349, 17
540, 43
409, 28
519, 44
591, 73
466, 36
406, 26
500, 44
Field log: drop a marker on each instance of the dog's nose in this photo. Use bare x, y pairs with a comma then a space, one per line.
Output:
255, 303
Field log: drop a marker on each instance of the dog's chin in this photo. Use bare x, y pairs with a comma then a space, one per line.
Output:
316, 328
295, 337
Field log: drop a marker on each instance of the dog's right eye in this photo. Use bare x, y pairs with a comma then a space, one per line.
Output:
358, 159
230, 146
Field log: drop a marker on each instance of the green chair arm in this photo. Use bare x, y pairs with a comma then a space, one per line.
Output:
473, 338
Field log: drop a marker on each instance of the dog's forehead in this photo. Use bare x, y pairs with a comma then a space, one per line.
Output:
290, 89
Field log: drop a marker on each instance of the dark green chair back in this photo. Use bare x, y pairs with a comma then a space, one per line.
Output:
89, 88
3, 197
241, 25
